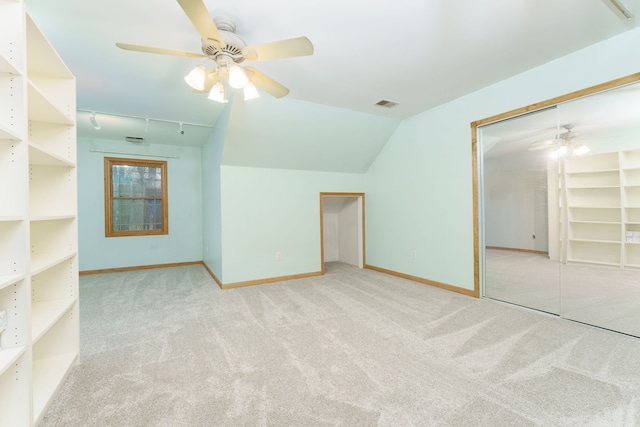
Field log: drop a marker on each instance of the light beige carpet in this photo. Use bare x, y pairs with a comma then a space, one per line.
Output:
167, 347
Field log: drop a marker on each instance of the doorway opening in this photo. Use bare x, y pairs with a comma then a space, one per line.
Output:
342, 239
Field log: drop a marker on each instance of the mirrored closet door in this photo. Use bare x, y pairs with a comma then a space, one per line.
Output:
560, 209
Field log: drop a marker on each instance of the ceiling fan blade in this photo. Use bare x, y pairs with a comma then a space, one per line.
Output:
158, 50
197, 12
288, 48
541, 145
266, 83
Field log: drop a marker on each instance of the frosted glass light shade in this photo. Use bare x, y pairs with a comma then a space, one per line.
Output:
250, 91
237, 77
196, 77
217, 93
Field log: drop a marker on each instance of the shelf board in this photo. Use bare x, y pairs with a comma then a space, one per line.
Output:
11, 218
632, 243
52, 217
591, 261
45, 314
41, 109
608, 242
590, 172
40, 156
7, 67
597, 222
7, 133
48, 377
42, 262
593, 187
10, 279
10, 355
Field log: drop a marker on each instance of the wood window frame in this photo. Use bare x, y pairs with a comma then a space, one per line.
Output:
109, 162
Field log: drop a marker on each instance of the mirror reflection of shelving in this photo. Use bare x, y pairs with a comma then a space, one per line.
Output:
603, 208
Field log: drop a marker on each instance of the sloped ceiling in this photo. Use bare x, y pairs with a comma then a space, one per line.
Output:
415, 52
293, 134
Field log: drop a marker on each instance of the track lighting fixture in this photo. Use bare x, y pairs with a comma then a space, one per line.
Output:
93, 121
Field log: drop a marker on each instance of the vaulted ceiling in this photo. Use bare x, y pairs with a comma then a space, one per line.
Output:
419, 53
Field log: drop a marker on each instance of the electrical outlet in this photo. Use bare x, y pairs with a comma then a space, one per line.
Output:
3, 320
414, 254
278, 256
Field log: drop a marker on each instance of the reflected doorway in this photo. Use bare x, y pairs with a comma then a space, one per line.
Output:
342, 229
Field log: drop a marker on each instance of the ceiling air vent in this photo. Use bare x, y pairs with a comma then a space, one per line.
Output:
386, 103
134, 139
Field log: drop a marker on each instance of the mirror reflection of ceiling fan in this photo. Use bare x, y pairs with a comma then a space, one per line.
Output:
565, 144
226, 50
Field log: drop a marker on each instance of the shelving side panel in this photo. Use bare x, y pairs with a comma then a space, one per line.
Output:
13, 110
56, 140
630, 159
46, 109
15, 401
595, 252
595, 231
13, 179
12, 37
632, 254
593, 163
594, 197
52, 242
595, 214
53, 191
42, 58
57, 282
14, 252
14, 299
593, 179
632, 215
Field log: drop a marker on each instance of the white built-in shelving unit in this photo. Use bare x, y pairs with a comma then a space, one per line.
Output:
38, 219
602, 199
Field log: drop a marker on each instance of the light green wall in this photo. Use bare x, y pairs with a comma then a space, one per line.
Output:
270, 210
184, 241
419, 188
211, 195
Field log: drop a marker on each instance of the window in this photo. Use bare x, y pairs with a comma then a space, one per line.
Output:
135, 193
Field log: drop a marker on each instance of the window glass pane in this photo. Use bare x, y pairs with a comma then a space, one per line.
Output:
136, 181
137, 214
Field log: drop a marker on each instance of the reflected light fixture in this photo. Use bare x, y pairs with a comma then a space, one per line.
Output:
196, 77
93, 121
218, 93
250, 91
237, 78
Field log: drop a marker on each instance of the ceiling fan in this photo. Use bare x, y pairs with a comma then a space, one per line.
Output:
222, 46
565, 141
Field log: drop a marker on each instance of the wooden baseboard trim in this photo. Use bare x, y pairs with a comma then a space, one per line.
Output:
137, 267
212, 274
468, 292
269, 280
531, 251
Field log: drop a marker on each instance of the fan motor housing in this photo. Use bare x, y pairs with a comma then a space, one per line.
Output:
233, 43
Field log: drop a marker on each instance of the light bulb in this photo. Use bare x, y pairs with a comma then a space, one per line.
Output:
250, 91
581, 150
217, 93
237, 77
196, 77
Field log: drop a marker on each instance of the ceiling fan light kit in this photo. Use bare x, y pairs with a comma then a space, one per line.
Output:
226, 49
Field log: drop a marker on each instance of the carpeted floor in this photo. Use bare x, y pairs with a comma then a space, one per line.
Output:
167, 347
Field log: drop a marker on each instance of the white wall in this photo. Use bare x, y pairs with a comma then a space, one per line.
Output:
515, 201
348, 232
212, 195
265, 211
419, 188
330, 237
184, 241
